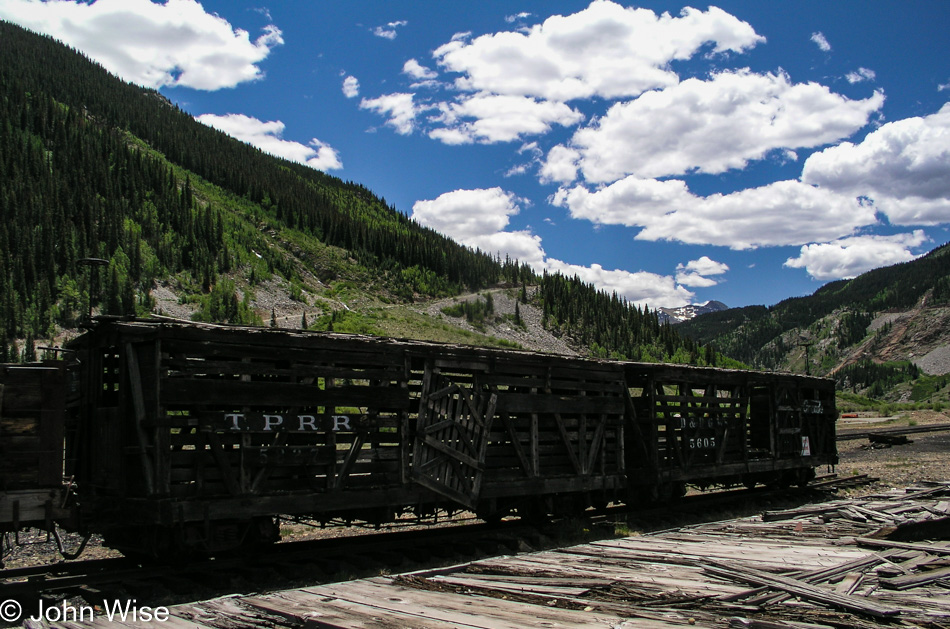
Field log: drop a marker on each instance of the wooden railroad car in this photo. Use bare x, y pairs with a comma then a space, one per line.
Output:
32, 411
189, 436
705, 426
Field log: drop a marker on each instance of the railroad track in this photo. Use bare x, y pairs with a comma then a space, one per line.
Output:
282, 565
297, 563
902, 430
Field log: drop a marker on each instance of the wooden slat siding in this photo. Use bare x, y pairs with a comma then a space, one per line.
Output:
516, 451
514, 439
31, 425
150, 367
451, 443
562, 387
485, 429
568, 444
595, 451
262, 474
220, 455
191, 367
534, 446
138, 417
265, 344
377, 419
278, 394
348, 462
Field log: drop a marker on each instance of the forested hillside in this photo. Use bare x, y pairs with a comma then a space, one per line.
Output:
832, 332
92, 167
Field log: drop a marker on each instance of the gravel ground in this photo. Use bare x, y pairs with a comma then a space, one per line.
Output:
533, 336
927, 458
937, 361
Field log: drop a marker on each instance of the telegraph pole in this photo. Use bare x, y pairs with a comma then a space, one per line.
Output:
804, 342
93, 278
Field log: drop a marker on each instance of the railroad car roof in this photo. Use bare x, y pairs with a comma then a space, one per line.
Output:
112, 331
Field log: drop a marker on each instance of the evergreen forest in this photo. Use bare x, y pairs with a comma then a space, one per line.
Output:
108, 189
754, 334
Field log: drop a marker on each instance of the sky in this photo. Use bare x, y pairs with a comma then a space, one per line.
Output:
745, 152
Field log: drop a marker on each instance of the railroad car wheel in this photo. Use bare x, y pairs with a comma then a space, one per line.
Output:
492, 510
534, 510
805, 476
671, 492
184, 542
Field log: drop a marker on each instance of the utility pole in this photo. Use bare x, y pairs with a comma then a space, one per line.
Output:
804, 342
93, 279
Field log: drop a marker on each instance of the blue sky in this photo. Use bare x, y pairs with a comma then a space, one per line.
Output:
747, 151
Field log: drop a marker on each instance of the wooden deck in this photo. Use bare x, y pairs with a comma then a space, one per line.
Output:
855, 563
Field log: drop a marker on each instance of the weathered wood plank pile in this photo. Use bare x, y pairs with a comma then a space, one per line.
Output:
882, 559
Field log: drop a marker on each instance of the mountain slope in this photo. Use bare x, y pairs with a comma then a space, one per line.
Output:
895, 313
189, 221
691, 311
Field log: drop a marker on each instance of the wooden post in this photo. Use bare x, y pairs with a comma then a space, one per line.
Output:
138, 403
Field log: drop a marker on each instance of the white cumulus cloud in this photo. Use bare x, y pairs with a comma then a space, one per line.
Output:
490, 118
821, 41
399, 107
517, 17
684, 128
416, 70
694, 273
479, 218
267, 137
513, 84
861, 74
604, 50
465, 214
903, 166
351, 87
850, 257
641, 287
177, 43
781, 213
389, 30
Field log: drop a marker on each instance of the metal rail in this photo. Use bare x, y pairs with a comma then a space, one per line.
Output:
900, 430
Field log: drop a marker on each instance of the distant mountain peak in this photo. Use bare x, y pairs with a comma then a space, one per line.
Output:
691, 311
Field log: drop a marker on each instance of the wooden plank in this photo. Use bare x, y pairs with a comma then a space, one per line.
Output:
519, 587
224, 466
231, 394
568, 444
230, 612
849, 583
908, 581
515, 443
463, 610
138, 419
800, 589
564, 404
100, 620
333, 613
532, 580
348, 461
883, 543
763, 553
